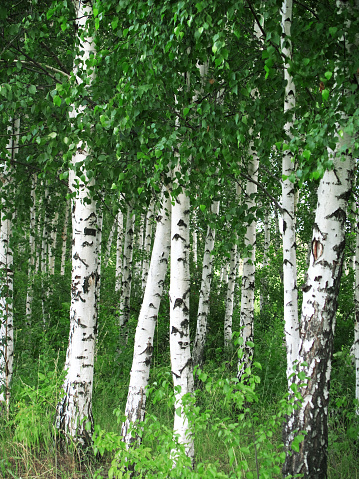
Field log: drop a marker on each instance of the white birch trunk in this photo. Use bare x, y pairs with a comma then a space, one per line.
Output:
291, 324
248, 275
52, 246
264, 294
356, 301
109, 244
143, 349
318, 322
228, 315
32, 244
147, 244
181, 361
7, 274
64, 239
119, 251
203, 305
127, 272
74, 410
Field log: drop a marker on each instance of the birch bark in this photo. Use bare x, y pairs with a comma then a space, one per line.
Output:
127, 272
64, 239
147, 244
74, 411
119, 251
318, 323
32, 244
7, 273
248, 274
181, 361
356, 301
203, 305
143, 348
291, 324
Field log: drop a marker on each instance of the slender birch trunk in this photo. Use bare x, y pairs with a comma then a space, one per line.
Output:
74, 411
264, 294
143, 349
248, 275
232, 276
228, 315
356, 301
32, 244
147, 244
127, 272
203, 305
181, 361
7, 274
52, 246
291, 324
109, 244
64, 239
119, 251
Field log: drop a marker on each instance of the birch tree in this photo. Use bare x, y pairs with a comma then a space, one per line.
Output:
143, 348
181, 361
6, 271
74, 411
291, 324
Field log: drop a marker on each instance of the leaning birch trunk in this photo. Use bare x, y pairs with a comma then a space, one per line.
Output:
356, 301
126, 276
181, 361
291, 324
143, 348
248, 275
147, 244
74, 411
32, 244
203, 305
6, 275
318, 324
118, 273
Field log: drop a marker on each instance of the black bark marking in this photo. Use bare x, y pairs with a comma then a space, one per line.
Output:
90, 231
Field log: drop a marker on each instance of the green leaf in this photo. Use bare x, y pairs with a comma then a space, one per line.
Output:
57, 100
185, 112
97, 23
53, 135
325, 95
333, 31
139, 190
202, 207
32, 89
306, 154
114, 23
328, 75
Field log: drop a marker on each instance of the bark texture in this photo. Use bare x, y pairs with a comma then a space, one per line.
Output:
318, 324
143, 348
181, 361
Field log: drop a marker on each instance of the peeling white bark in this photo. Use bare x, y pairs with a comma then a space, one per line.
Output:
143, 348
32, 245
356, 301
